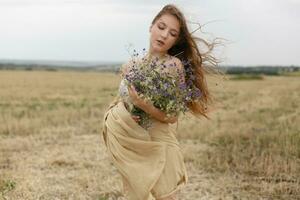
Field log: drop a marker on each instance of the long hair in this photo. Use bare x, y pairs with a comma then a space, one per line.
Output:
186, 49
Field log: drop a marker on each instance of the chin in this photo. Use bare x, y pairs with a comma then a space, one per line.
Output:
158, 49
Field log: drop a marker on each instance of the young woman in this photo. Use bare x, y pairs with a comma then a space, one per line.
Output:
150, 161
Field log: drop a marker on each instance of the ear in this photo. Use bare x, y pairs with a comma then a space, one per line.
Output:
150, 28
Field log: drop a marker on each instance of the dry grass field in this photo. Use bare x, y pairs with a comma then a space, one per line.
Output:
50, 146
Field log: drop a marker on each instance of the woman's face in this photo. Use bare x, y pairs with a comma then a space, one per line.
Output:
164, 33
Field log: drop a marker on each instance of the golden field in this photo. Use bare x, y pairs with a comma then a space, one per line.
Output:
51, 148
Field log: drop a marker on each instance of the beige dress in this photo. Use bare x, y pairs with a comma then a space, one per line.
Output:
150, 162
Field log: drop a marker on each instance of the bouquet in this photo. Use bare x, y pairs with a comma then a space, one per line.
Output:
164, 90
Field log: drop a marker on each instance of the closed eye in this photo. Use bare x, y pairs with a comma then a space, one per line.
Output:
174, 35
162, 28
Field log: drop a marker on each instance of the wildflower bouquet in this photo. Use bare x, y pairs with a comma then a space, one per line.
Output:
154, 83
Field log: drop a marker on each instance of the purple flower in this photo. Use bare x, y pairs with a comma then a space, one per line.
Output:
166, 92
182, 86
197, 93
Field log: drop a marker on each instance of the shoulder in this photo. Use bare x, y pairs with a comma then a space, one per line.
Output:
176, 68
127, 64
125, 67
174, 64
175, 60
131, 62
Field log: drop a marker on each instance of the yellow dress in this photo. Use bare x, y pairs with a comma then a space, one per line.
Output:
150, 162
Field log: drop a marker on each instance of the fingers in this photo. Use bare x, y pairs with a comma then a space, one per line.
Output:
132, 88
136, 118
132, 91
136, 98
134, 95
171, 120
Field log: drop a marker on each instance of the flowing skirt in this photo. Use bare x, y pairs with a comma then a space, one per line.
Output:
150, 162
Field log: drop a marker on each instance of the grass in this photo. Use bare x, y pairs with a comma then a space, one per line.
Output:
5, 187
50, 144
296, 73
240, 77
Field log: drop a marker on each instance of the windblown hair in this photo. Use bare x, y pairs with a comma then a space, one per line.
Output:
187, 50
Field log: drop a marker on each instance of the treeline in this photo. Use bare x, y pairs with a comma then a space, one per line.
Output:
266, 70
36, 67
26, 67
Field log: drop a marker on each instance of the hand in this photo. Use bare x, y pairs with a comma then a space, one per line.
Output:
171, 120
136, 118
135, 98
148, 107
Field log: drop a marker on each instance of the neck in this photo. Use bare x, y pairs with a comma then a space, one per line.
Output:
158, 55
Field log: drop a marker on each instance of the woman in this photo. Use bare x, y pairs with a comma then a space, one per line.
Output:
150, 161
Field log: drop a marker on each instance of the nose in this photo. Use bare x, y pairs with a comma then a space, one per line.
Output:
164, 34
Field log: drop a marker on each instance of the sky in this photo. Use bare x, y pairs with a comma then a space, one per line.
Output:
257, 32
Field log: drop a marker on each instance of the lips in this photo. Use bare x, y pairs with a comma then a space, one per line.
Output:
160, 42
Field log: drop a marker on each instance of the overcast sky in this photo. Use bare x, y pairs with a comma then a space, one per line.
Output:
259, 32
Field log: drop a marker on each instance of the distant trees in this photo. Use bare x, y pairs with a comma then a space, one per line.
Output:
265, 70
